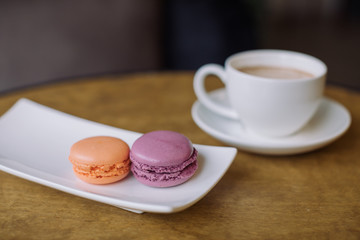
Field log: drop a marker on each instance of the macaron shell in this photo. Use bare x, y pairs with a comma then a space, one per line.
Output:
161, 148
99, 150
102, 180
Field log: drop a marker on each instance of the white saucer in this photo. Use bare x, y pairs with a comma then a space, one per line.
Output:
329, 123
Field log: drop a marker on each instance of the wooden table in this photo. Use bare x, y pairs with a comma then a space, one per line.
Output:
308, 196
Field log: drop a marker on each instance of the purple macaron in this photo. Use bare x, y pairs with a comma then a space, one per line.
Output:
163, 159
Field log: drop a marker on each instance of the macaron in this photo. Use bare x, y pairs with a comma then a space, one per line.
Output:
100, 159
163, 159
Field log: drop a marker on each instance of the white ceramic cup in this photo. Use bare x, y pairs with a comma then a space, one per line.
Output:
266, 106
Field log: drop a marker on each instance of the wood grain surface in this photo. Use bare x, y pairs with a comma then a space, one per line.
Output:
309, 196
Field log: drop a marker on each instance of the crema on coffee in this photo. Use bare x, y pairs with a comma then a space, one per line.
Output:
275, 72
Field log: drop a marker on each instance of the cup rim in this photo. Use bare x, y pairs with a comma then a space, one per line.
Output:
231, 59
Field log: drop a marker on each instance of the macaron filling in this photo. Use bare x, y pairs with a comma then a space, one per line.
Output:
165, 173
164, 169
97, 171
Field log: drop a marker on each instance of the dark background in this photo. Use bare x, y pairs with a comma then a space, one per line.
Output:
42, 41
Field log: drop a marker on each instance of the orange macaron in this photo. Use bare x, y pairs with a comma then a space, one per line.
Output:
100, 159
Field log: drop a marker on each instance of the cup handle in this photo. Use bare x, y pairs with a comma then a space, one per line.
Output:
199, 88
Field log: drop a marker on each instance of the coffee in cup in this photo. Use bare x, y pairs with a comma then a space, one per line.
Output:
272, 92
275, 72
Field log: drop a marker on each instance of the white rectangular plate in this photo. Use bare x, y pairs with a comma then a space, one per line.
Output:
35, 141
